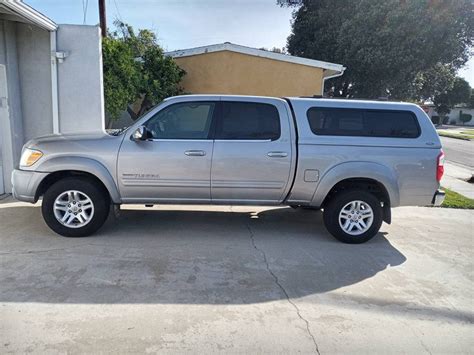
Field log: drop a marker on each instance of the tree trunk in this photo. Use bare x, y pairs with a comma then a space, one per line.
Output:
146, 104
132, 113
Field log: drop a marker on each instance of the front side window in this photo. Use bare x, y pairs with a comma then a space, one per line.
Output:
247, 121
363, 122
188, 120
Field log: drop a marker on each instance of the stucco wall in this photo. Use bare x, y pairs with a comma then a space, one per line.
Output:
454, 115
235, 73
34, 66
11, 128
81, 102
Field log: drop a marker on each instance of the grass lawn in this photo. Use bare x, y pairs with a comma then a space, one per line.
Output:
469, 133
464, 135
455, 200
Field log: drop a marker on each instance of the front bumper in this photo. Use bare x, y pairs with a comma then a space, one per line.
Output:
438, 198
25, 184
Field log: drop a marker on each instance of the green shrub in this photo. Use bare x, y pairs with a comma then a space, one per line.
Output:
435, 119
464, 117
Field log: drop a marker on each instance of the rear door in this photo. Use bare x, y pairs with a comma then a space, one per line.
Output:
253, 151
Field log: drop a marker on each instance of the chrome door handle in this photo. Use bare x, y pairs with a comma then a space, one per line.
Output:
195, 153
277, 154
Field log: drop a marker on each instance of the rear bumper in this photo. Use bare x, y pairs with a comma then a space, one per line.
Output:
25, 184
438, 198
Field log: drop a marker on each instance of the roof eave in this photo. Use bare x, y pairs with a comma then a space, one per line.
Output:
257, 53
31, 15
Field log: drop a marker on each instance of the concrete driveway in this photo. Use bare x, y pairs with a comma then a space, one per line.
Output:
222, 279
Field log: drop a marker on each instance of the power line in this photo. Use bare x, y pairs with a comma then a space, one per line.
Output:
118, 11
85, 4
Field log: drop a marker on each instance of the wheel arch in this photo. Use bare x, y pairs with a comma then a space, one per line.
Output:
59, 168
374, 177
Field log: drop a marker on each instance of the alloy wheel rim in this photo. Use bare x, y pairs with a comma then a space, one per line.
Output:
73, 209
356, 217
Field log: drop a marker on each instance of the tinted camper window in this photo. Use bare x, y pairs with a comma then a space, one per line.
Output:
363, 122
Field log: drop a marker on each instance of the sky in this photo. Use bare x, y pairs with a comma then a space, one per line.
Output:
181, 24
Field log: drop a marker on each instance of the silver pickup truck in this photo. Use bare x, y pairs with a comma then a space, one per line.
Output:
355, 160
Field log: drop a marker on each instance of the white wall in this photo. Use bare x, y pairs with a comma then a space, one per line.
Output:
34, 56
454, 114
26, 53
81, 102
11, 126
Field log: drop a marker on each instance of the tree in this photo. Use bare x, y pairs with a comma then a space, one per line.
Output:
460, 93
464, 117
391, 48
135, 68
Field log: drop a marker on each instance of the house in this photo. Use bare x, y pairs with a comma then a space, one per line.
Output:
233, 69
454, 116
50, 80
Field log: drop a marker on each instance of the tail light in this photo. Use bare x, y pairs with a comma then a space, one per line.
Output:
440, 166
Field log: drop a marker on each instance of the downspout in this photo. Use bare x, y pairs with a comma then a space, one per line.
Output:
54, 82
331, 77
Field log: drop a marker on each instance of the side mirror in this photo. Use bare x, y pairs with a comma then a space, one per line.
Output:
140, 134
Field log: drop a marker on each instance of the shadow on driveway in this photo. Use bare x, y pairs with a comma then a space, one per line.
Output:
188, 257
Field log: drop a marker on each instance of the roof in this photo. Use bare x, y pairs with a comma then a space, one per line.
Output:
16, 10
227, 46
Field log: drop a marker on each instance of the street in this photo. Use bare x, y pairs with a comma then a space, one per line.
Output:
200, 279
459, 151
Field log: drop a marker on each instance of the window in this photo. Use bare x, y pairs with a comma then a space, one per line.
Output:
248, 120
363, 122
189, 120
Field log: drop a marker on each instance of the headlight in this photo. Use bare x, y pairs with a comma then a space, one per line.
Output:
29, 157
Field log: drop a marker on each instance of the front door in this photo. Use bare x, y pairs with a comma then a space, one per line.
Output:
252, 152
175, 163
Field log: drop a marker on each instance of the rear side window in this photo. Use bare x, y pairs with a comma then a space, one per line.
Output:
362, 122
248, 120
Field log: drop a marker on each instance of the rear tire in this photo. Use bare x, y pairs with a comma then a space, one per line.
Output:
353, 216
75, 207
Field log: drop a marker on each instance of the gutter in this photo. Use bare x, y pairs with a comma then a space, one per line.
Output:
331, 77
30, 14
54, 82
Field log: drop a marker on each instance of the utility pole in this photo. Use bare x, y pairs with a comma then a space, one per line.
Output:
102, 18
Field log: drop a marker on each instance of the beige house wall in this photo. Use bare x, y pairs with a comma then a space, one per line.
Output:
227, 72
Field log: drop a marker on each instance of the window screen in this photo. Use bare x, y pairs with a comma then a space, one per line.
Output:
361, 122
248, 120
190, 120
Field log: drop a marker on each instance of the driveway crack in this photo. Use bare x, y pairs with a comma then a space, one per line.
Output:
280, 286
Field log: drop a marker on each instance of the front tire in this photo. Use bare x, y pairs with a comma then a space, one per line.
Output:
75, 207
353, 216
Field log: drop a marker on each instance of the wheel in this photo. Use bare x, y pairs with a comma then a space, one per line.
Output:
353, 216
75, 207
